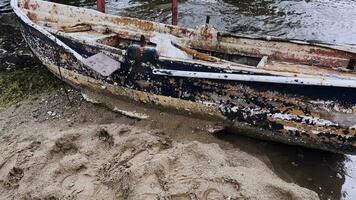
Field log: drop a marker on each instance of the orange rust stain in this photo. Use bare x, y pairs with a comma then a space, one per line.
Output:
144, 25
330, 52
131, 35
48, 19
77, 28
206, 33
350, 132
315, 60
286, 123
309, 128
172, 81
197, 55
174, 30
32, 16
295, 111
64, 56
34, 6
122, 33
26, 5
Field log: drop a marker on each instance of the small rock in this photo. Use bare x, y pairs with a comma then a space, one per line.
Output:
294, 164
339, 175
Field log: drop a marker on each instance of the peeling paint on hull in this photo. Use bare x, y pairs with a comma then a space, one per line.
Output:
282, 113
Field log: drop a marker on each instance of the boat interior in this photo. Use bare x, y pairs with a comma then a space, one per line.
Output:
205, 45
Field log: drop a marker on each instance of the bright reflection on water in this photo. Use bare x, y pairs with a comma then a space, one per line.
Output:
332, 176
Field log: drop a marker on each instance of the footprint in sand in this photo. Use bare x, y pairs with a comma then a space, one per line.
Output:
86, 187
65, 145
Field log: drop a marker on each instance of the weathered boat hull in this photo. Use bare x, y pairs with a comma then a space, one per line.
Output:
256, 110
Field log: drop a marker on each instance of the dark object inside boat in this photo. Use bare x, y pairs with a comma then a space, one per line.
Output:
142, 54
352, 64
240, 59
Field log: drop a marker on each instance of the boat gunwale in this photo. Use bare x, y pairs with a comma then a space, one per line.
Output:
18, 11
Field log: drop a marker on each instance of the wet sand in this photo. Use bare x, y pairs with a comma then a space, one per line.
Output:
51, 150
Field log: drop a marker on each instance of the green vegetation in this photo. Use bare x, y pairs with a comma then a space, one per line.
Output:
19, 84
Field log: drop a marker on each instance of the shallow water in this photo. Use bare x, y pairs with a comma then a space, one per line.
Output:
5, 6
332, 176
332, 21
325, 20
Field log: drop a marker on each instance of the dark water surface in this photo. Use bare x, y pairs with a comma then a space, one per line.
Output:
5, 6
332, 21
332, 176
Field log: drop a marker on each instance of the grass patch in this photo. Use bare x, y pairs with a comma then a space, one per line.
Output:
20, 84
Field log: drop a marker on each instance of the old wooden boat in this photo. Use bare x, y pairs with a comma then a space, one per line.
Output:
289, 91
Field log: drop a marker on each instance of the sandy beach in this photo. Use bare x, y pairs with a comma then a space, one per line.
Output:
51, 150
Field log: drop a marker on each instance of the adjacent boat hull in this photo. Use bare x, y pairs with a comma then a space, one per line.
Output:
269, 112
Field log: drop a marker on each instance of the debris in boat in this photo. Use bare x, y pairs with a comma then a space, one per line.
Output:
132, 114
76, 28
165, 48
263, 62
196, 54
102, 64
